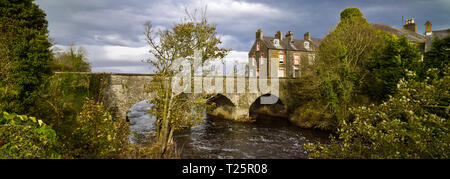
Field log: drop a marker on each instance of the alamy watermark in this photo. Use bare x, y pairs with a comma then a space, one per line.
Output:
225, 76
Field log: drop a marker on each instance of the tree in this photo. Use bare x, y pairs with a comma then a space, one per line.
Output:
73, 60
96, 134
411, 124
24, 53
342, 54
349, 13
388, 65
438, 56
175, 111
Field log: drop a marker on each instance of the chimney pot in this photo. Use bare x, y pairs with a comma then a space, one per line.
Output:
259, 34
428, 30
410, 25
307, 36
279, 35
290, 36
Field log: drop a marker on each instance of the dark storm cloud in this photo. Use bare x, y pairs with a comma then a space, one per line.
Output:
107, 23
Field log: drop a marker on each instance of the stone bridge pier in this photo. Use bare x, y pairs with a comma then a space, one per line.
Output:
122, 91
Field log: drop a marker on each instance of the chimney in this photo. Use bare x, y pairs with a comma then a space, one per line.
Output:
290, 36
428, 30
279, 35
410, 25
259, 34
308, 36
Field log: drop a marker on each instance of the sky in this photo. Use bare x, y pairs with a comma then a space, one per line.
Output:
112, 31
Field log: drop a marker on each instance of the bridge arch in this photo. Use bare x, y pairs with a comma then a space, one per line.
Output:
258, 109
221, 106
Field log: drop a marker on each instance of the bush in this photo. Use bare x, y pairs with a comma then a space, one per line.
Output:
412, 124
314, 115
23, 137
438, 56
388, 65
24, 56
96, 134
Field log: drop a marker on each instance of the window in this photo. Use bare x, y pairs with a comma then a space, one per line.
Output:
311, 59
257, 46
296, 59
281, 58
296, 72
253, 61
276, 42
281, 72
261, 59
306, 44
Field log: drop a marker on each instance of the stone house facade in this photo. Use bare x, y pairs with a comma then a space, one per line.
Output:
289, 54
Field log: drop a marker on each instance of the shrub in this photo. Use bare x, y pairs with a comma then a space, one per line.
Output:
388, 65
23, 137
96, 134
412, 124
24, 55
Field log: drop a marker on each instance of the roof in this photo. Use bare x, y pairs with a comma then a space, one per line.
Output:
411, 36
441, 33
296, 45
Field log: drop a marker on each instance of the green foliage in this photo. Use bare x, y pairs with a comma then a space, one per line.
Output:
311, 108
388, 65
175, 111
438, 56
64, 101
342, 55
405, 126
96, 134
23, 137
351, 12
24, 53
73, 60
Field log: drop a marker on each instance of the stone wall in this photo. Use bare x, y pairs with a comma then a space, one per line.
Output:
122, 91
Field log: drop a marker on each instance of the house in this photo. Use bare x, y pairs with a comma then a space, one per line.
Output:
289, 54
409, 30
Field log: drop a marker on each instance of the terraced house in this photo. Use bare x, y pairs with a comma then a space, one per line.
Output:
289, 54
409, 30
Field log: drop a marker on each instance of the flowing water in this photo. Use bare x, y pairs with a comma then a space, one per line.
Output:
219, 138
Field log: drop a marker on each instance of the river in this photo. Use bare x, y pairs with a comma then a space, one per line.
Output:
225, 139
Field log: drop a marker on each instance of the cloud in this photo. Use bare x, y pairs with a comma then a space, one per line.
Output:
112, 30
116, 58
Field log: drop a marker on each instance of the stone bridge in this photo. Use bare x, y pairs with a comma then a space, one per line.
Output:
235, 102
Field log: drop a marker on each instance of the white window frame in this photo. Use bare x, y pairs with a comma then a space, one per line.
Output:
283, 70
306, 44
281, 59
276, 42
311, 59
294, 69
297, 61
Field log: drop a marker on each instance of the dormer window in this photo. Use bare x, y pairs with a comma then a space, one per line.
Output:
306, 44
276, 42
